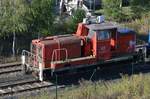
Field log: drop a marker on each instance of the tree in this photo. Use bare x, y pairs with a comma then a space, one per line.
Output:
41, 16
12, 14
112, 9
139, 7
76, 18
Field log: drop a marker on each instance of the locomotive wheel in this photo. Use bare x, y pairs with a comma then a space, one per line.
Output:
141, 56
47, 74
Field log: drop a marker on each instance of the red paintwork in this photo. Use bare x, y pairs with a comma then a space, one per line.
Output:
81, 30
71, 43
101, 48
79, 46
123, 43
73, 63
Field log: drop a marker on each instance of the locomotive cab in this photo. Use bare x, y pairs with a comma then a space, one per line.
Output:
106, 40
102, 40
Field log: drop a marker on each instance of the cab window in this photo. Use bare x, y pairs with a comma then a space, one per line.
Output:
91, 34
103, 35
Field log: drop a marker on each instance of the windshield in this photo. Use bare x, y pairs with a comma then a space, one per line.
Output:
91, 33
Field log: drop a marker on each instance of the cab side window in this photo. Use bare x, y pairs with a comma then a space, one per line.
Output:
103, 35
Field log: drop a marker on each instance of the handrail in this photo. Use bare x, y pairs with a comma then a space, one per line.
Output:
25, 51
30, 60
31, 57
55, 51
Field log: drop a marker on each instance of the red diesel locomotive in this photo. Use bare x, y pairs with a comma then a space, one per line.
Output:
92, 44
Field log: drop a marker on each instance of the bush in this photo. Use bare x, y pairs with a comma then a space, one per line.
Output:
76, 18
41, 17
141, 26
113, 9
68, 25
139, 7
134, 87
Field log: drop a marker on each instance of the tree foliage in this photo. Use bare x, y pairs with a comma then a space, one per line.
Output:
41, 16
139, 7
12, 14
76, 18
113, 9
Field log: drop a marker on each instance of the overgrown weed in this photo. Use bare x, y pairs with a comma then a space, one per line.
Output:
134, 87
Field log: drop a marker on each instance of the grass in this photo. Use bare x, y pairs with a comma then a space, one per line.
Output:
134, 87
141, 26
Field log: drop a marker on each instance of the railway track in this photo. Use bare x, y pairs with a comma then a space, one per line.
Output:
24, 85
10, 68
19, 83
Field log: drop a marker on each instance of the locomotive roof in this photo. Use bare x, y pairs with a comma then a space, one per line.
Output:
60, 38
125, 30
102, 26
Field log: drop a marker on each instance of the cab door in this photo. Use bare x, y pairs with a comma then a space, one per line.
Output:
103, 47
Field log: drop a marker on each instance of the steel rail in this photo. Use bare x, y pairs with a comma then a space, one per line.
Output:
10, 71
10, 68
25, 89
22, 82
8, 65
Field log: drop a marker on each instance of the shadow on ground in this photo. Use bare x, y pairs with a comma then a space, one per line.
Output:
106, 73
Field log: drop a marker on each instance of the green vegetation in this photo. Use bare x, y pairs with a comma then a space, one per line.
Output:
76, 18
141, 26
41, 17
139, 7
12, 14
113, 9
68, 25
134, 87
23, 18
31, 19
